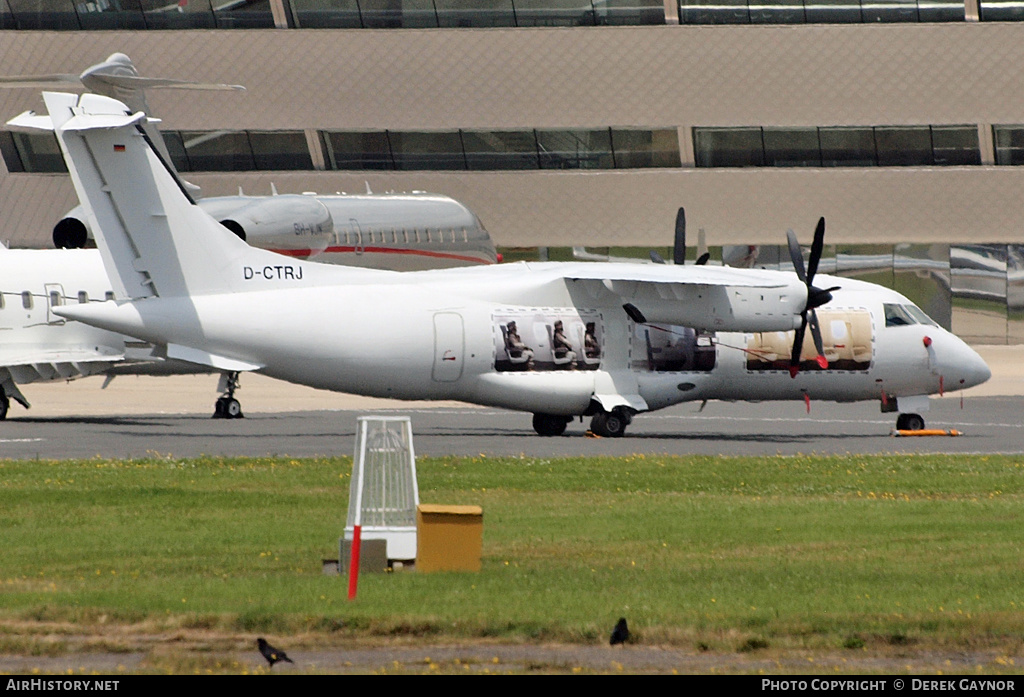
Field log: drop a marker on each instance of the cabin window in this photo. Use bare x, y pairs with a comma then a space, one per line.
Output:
110, 295
465, 235
55, 298
83, 297
1, 301
428, 235
26, 300
416, 231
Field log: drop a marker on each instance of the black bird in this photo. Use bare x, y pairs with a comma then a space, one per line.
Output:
620, 635
270, 653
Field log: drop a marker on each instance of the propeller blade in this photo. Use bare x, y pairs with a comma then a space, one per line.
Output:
819, 345
679, 250
796, 256
703, 258
798, 347
655, 257
139, 82
816, 248
634, 313
40, 81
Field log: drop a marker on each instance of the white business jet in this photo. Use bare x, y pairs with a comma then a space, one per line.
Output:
559, 340
400, 231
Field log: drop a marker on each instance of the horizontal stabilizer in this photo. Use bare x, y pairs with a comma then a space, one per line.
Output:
187, 353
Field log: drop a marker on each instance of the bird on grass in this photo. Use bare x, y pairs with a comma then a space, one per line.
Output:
270, 653
620, 635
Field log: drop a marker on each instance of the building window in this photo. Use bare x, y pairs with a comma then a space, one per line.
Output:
634, 149
575, 149
227, 151
818, 12
883, 146
32, 152
440, 150
728, 147
358, 150
1000, 10
501, 149
280, 150
1009, 142
70, 15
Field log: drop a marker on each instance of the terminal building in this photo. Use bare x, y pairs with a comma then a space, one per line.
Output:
576, 123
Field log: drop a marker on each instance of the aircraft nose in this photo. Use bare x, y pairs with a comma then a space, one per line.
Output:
960, 365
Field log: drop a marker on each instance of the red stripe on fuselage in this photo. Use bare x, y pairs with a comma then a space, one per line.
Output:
380, 250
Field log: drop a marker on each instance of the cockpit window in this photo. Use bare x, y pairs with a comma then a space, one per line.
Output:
918, 314
903, 315
897, 316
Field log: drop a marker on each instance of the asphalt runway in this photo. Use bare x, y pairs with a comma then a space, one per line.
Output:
989, 424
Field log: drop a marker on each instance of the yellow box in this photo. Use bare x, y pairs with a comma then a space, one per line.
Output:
449, 538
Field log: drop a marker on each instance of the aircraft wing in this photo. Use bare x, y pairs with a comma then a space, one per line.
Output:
24, 355
712, 298
24, 364
680, 275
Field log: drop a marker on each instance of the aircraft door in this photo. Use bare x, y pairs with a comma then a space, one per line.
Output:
449, 347
357, 235
54, 298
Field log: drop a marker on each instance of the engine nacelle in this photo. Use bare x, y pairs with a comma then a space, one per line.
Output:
71, 232
290, 223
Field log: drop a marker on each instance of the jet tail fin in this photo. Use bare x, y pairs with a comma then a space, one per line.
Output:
133, 200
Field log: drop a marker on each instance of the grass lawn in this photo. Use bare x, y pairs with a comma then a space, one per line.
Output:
713, 554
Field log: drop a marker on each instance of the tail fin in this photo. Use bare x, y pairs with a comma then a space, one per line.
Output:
156, 242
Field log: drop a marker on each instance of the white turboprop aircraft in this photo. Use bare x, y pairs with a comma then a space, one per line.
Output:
556, 339
400, 231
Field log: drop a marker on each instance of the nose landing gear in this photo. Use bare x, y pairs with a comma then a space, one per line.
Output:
226, 406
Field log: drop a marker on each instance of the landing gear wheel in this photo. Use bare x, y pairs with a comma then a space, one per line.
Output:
610, 424
909, 422
5, 405
550, 424
226, 406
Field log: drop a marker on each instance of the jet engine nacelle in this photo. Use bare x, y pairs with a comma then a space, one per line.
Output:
285, 223
290, 223
71, 231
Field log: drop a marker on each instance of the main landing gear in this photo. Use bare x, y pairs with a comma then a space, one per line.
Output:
909, 422
5, 404
611, 424
550, 424
227, 407
607, 424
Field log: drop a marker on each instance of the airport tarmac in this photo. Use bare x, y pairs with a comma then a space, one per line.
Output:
170, 416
